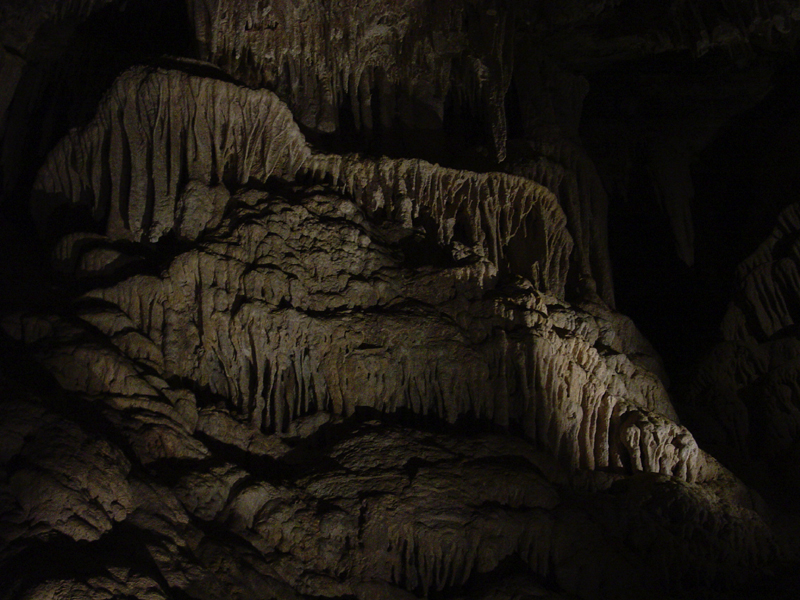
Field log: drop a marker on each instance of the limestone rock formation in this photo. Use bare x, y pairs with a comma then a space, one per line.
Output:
386, 62
213, 132
261, 345
745, 393
294, 301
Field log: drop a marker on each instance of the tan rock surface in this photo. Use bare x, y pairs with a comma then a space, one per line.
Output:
268, 370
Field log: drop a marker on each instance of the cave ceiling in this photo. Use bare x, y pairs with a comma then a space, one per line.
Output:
469, 299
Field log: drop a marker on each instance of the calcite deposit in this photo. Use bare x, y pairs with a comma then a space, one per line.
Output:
322, 304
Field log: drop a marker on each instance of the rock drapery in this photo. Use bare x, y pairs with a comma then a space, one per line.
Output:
745, 391
386, 62
273, 362
215, 132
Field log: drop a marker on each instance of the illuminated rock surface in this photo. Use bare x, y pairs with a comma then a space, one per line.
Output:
323, 305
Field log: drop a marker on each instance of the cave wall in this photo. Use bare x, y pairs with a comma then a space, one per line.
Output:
328, 299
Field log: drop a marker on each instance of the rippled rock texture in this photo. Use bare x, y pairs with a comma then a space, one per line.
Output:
266, 366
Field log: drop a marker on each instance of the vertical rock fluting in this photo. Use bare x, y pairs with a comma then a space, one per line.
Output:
395, 513
746, 392
190, 128
550, 106
289, 374
766, 300
293, 347
321, 53
267, 361
29, 31
58, 58
243, 321
513, 223
571, 175
382, 63
195, 129
419, 511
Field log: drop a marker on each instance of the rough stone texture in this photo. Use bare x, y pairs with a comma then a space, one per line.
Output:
768, 282
400, 57
745, 393
263, 314
274, 361
284, 313
365, 509
571, 175
208, 131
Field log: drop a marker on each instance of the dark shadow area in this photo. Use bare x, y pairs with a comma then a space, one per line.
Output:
745, 169
70, 66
